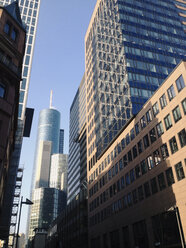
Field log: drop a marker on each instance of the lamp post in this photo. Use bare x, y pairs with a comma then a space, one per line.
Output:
27, 202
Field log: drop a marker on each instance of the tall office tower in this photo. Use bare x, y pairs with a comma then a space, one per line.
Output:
130, 47
61, 141
58, 171
50, 173
29, 14
77, 123
181, 5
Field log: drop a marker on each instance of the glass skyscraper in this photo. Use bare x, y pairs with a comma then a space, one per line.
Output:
130, 48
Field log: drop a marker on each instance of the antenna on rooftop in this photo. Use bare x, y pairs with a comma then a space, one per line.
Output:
51, 95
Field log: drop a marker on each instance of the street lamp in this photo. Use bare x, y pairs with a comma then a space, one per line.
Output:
27, 202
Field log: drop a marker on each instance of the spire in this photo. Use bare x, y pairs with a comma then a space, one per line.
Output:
51, 95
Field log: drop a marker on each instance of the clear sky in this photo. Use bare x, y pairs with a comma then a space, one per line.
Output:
58, 64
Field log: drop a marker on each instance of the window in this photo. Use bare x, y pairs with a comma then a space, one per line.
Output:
169, 176
163, 101
140, 193
146, 141
182, 137
122, 182
173, 145
161, 181
164, 151
168, 122
143, 122
134, 196
127, 139
152, 134
123, 143
154, 187
119, 148
2, 90
147, 189
129, 156
120, 164
116, 168
132, 175
140, 146
14, 34
159, 128
129, 199
7, 28
143, 167
184, 106
134, 150
127, 179
155, 109
171, 93
176, 114
180, 83
179, 171
132, 134
150, 162
137, 171
149, 116
157, 158
137, 128
125, 160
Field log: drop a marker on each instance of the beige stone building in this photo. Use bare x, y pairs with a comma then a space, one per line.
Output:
137, 187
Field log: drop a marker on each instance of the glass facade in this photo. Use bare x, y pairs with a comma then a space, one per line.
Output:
77, 121
131, 47
61, 141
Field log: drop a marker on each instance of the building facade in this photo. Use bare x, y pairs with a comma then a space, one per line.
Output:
29, 15
12, 45
77, 123
130, 48
137, 187
61, 141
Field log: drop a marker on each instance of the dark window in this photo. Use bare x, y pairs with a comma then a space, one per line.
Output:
125, 201
168, 122
154, 187
137, 128
146, 141
120, 164
127, 139
182, 137
180, 83
132, 175
173, 145
134, 150
147, 189
164, 151
159, 128
137, 171
2, 90
113, 171
157, 157
7, 28
152, 134
129, 156
155, 109
179, 171
132, 134
150, 162
171, 93
161, 181
140, 193
116, 168
14, 34
143, 122
122, 182
176, 114
127, 179
140, 146
123, 143
129, 199
140, 234
163, 101
125, 160
169, 176
184, 106
119, 148
134, 196
143, 167
149, 116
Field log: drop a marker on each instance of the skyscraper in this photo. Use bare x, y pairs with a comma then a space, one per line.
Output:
61, 141
29, 14
130, 47
77, 123
50, 173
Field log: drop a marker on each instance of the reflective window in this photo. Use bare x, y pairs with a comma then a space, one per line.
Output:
155, 109
179, 171
169, 176
171, 93
163, 101
173, 145
184, 106
180, 83
168, 122
159, 128
161, 181
164, 151
176, 114
182, 137
2, 90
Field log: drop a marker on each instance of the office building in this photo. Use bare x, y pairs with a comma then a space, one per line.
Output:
29, 15
49, 193
61, 141
58, 171
130, 48
180, 4
137, 187
77, 128
12, 44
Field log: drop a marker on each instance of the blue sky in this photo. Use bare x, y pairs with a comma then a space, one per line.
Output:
58, 64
